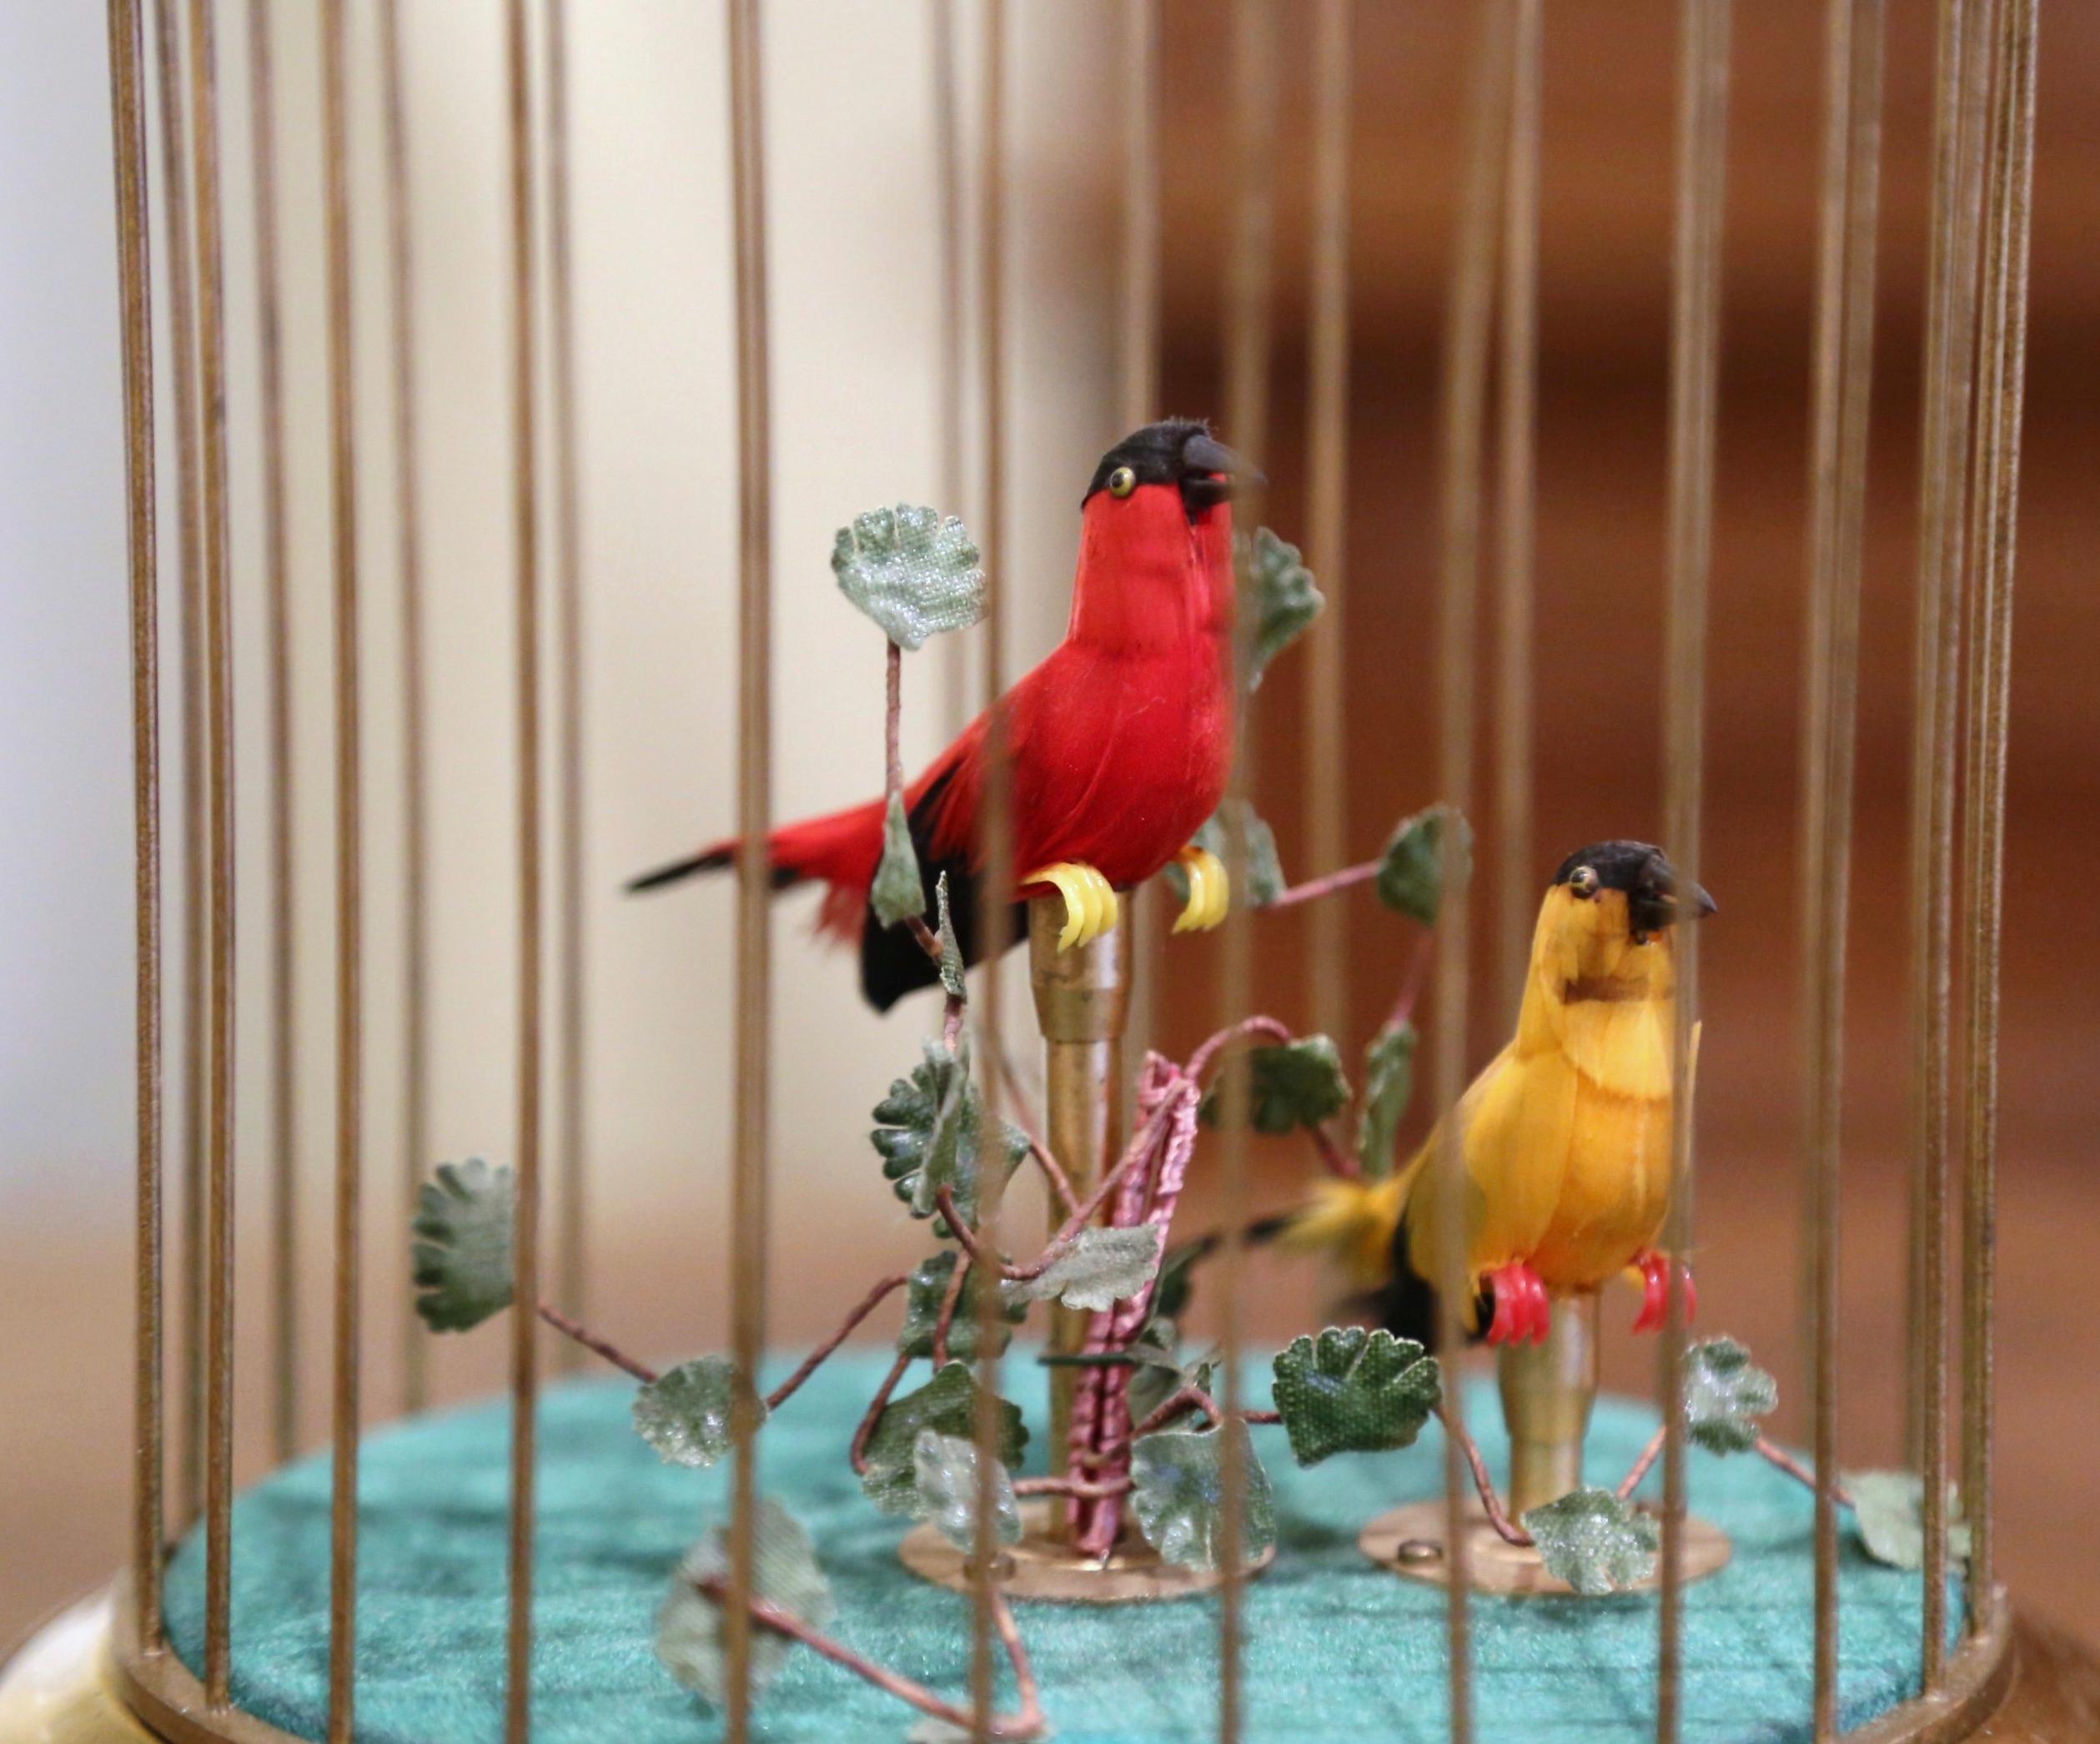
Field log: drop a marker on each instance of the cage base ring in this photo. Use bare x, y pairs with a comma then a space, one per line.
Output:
1043, 1568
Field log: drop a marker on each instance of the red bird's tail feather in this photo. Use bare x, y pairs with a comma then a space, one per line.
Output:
841, 849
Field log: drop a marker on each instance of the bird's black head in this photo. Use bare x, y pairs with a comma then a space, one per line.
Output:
1645, 876
1181, 452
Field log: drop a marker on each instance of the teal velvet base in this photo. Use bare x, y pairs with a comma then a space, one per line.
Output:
1335, 1648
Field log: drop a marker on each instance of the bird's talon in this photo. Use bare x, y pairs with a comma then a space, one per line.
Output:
1209, 891
1523, 1310
1654, 1292
1090, 905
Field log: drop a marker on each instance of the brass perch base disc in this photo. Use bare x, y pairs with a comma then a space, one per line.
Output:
1043, 1568
1409, 1541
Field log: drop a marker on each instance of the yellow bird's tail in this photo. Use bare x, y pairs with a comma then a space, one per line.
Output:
1354, 1221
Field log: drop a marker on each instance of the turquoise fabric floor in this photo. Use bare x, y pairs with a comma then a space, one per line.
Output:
1336, 1649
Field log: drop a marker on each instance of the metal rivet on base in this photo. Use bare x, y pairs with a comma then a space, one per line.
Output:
1416, 1551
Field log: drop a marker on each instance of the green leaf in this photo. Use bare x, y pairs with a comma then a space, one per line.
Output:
914, 573
952, 983
1724, 1395
1293, 1084
462, 1252
1179, 1497
947, 1403
1264, 865
929, 1134
684, 1413
1353, 1391
945, 1470
1154, 1384
1101, 1268
897, 892
1410, 878
1389, 1083
922, 1299
1888, 1507
784, 1573
1277, 590
1594, 1541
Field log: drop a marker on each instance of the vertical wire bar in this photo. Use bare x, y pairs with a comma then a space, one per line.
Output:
749, 1186
416, 926
995, 885
1516, 514
2004, 331
1843, 377
1694, 369
1326, 767
525, 1343
189, 1467
219, 785
127, 114
284, 1116
1461, 422
349, 902
1137, 394
1962, 60
572, 1261
952, 340
1248, 323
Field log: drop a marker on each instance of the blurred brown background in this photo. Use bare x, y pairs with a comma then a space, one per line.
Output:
1605, 259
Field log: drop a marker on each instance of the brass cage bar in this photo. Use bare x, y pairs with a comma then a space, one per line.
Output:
1695, 364
1962, 69
1843, 376
350, 911
1461, 423
749, 1186
415, 805
1516, 513
525, 1240
1248, 336
284, 1099
219, 787
127, 117
2004, 342
571, 1090
175, 222
1326, 769
995, 884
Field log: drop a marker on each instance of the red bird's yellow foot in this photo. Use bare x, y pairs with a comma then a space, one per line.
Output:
1653, 1270
1210, 891
1090, 907
1522, 1309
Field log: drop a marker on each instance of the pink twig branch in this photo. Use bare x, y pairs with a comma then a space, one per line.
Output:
1507, 1530
1080, 1487
1315, 888
1019, 1113
781, 1394
876, 1407
590, 1341
1794, 1468
951, 1298
1026, 1722
1649, 1455
1248, 1029
1187, 1397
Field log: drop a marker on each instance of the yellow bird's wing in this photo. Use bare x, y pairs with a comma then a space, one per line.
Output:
1518, 1122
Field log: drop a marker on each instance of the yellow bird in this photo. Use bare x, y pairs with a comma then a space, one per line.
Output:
1566, 1135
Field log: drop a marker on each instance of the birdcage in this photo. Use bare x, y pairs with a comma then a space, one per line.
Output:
271, 1623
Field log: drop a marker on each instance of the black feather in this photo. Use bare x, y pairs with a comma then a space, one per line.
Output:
893, 963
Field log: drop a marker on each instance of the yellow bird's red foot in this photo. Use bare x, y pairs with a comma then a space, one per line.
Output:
1522, 1307
1090, 907
1653, 1270
1210, 891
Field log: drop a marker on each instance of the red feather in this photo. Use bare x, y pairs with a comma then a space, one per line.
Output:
1119, 740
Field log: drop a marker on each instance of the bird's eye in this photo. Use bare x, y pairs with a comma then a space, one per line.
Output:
1583, 881
1122, 481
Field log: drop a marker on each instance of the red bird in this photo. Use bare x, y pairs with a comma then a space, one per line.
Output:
1120, 740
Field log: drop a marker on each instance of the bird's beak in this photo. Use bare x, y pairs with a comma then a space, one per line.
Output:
1655, 910
1702, 905
1210, 472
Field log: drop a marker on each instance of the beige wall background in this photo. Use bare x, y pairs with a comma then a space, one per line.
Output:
855, 404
